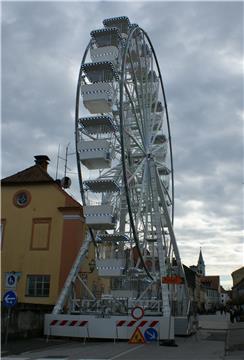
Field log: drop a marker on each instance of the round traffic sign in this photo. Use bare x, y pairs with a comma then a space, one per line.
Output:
10, 299
137, 312
150, 334
11, 280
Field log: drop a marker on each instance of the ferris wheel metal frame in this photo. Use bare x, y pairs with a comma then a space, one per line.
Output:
135, 176
122, 125
122, 87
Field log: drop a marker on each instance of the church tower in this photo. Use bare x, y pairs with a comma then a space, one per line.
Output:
201, 264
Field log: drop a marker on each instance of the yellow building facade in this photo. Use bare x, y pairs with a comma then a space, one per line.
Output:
42, 231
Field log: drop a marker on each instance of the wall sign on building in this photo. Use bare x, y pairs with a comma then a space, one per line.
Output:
11, 280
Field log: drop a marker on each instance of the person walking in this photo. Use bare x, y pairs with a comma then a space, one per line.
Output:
232, 315
238, 314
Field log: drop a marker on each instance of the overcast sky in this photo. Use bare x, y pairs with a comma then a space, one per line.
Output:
200, 50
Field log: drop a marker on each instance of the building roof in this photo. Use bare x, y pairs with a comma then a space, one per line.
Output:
32, 175
212, 282
240, 270
36, 175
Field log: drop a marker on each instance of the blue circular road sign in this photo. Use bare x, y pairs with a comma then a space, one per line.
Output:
10, 299
150, 334
11, 280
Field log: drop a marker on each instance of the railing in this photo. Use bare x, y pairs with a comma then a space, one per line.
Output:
115, 306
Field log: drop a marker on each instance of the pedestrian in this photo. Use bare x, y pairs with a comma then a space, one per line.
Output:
232, 315
238, 314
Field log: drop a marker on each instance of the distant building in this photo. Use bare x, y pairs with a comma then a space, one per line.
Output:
194, 268
199, 293
42, 230
237, 275
211, 281
208, 287
201, 264
238, 286
224, 297
238, 293
200, 267
193, 282
211, 287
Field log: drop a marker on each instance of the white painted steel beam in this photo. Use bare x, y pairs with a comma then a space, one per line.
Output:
72, 275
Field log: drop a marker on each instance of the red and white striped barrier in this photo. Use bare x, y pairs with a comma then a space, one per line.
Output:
68, 323
137, 323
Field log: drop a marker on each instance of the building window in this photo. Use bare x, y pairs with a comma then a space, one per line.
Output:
22, 198
40, 234
38, 285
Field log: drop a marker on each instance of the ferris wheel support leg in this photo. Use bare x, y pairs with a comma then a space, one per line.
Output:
166, 214
161, 251
72, 275
172, 236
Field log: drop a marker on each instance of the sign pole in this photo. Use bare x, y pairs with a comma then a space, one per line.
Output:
9, 301
7, 325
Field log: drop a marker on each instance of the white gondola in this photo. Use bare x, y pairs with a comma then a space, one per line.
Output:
111, 262
122, 23
106, 53
101, 186
97, 125
98, 98
96, 154
106, 45
99, 94
100, 217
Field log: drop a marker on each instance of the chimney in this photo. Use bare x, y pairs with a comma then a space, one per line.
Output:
42, 160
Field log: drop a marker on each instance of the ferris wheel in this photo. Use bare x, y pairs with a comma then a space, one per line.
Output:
126, 175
